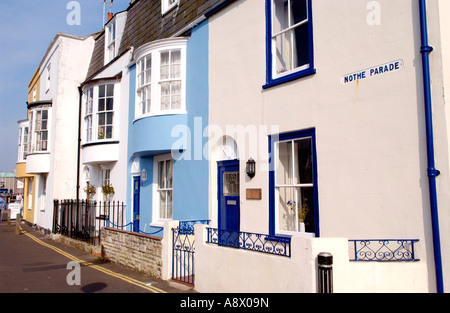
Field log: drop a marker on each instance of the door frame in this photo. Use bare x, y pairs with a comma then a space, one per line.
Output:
225, 166
136, 225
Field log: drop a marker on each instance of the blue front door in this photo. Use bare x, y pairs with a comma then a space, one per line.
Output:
136, 202
229, 198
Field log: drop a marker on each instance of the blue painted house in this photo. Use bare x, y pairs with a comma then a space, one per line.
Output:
168, 111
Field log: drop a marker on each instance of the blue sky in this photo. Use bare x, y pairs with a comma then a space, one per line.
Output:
27, 27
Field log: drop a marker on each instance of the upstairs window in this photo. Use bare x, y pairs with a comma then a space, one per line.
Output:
170, 80
105, 111
111, 41
289, 45
88, 118
167, 5
161, 79
99, 113
41, 130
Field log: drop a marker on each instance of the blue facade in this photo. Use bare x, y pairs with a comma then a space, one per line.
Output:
178, 134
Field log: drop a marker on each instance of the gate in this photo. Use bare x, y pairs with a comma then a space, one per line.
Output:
183, 269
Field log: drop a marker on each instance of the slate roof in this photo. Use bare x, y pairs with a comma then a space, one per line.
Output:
146, 24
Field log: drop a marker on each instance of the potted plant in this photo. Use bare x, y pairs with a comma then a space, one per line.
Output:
89, 190
302, 212
108, 190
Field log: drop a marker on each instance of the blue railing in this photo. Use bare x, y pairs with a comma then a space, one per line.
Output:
251, 241
187, 227
383, 250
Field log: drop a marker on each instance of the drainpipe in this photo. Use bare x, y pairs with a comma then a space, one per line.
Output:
425, 50
80, 92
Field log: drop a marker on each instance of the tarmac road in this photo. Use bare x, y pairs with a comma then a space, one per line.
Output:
33, 263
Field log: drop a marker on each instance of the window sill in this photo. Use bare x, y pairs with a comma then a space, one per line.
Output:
171, 112
289, 78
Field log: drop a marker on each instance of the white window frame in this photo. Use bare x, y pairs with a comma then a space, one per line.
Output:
293, 185
167, 5
155, 50
110, 42
95, 114
157, 220
89, 117
39, 130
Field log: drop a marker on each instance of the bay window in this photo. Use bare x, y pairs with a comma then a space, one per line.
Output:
41, 130
105, 111
99, 113
161, 72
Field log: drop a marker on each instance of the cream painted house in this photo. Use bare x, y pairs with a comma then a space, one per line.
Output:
328, 98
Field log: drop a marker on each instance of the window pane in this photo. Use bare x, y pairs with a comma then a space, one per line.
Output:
169, 209
109, 104
176, 64
101, 119
109, 118
169, 178
165, 65
303, 161
101, 91
110, 92
109, 130
101, 105
162, 204
280, 16
161, 184
299, 11
230, 184
301, 47
283, 45
295, 206
284, 164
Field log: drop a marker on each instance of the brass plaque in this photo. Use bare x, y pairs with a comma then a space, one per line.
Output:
254, 194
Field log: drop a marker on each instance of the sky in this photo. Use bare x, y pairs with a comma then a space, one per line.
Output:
27, 28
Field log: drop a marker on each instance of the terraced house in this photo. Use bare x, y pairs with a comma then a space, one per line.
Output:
250, 141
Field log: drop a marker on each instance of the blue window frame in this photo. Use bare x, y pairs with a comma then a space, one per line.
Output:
289, 41
293, 186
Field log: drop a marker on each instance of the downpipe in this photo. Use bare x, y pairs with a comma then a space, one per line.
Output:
425, 50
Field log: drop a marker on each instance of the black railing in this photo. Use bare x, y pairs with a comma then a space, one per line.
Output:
84, 220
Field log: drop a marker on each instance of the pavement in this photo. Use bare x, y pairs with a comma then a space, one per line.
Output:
33, 263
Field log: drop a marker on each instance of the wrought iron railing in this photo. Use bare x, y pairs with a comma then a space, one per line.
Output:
83, 220
251, 241
187, 227
383, 250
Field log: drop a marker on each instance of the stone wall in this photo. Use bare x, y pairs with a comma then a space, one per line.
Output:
137, 251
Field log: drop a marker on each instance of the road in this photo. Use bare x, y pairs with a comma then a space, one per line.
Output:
33, 263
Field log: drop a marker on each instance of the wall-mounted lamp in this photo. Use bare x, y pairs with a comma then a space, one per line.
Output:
251, 165
144, 175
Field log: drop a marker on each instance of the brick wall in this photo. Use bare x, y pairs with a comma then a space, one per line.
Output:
137, 251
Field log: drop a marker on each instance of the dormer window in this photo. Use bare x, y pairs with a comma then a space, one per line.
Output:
167, 5
111, 41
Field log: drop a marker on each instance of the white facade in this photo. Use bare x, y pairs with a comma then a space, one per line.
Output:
54, 124
370, 141
104, 134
